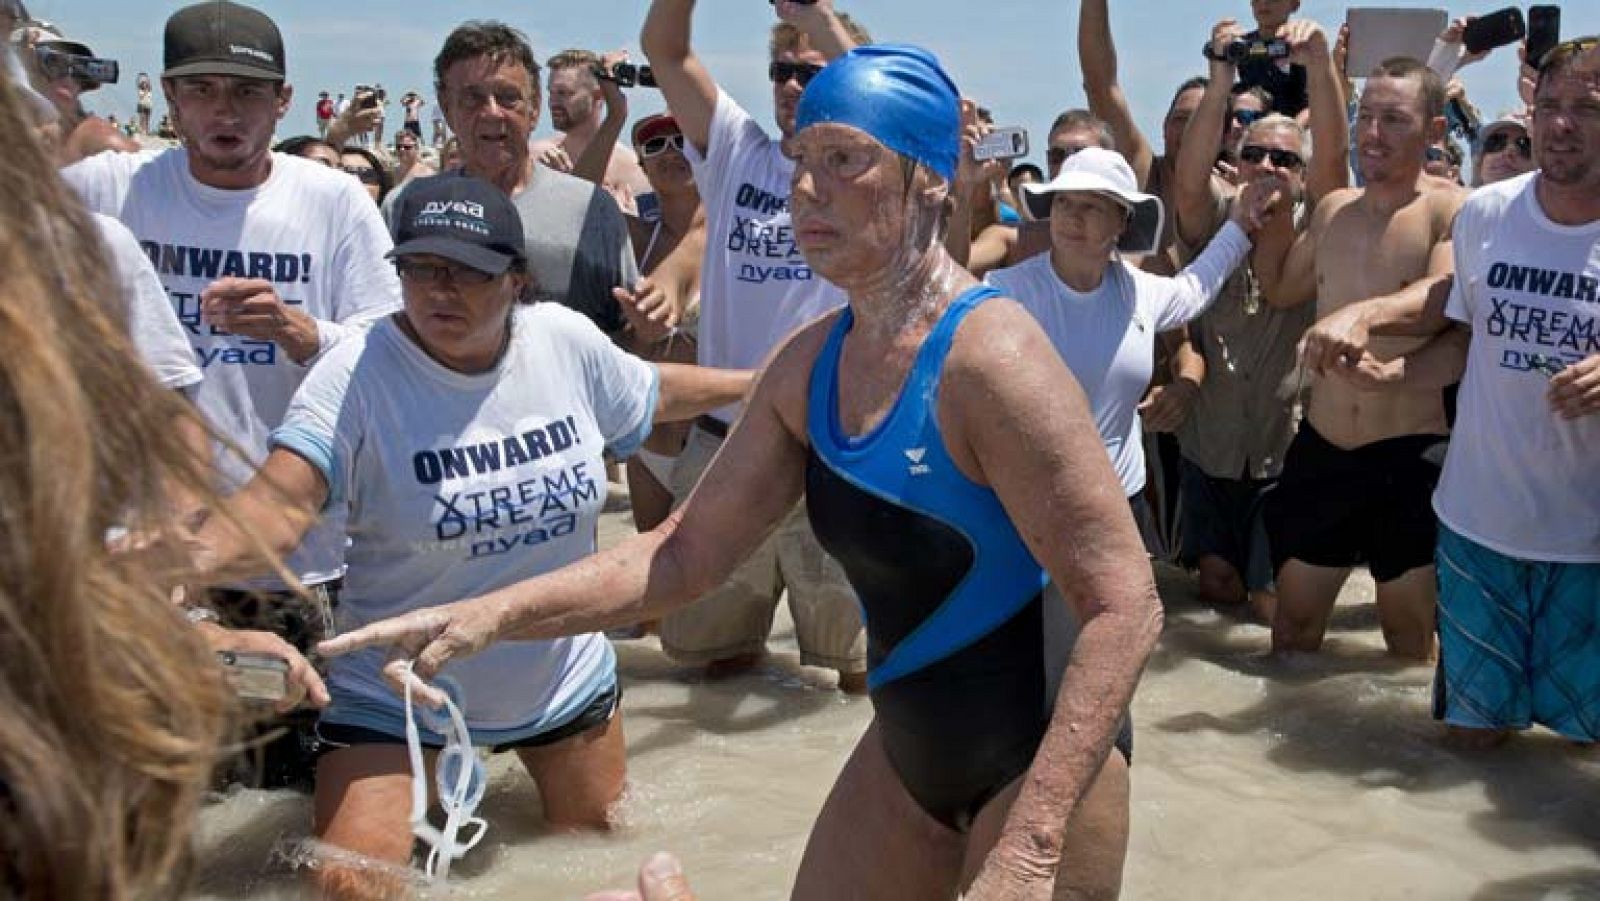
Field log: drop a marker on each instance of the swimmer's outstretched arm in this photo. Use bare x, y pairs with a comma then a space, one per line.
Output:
751, 485
1016, 419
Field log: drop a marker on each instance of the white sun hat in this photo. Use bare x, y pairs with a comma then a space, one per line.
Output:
1101, 171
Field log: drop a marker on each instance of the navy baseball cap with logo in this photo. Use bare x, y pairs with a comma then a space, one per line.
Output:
223, 38
461, 218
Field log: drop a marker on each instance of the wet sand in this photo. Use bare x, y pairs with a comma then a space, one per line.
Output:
1313, 778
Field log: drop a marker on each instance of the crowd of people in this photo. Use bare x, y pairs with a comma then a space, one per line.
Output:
309, 409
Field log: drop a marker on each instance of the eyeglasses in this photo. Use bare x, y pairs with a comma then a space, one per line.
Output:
364, 174
1283, 159
658, 145
1501, 140
780, 73
459, 776
429, 273
1244, 117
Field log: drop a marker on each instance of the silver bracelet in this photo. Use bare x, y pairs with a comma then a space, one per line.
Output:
197, 615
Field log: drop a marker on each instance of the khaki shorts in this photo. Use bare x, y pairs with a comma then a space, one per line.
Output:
735, 618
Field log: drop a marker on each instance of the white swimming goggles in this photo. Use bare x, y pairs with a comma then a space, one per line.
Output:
459, 775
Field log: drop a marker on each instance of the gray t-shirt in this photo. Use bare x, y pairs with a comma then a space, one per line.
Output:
578, 245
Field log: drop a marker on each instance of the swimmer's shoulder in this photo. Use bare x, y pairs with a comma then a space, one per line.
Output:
997, 341
784, 381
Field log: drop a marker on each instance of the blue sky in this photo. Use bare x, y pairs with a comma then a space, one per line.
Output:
1016, 56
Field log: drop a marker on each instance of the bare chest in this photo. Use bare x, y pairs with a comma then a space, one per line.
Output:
1365, 254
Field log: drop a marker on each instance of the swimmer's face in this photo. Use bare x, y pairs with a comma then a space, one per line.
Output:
1085, 225
848, 203
1393, 130
786, 94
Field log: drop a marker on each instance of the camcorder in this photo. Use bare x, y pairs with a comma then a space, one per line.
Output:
1243, 51
628, 75
88, 71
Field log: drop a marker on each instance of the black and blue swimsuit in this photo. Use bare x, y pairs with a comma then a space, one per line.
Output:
965, 656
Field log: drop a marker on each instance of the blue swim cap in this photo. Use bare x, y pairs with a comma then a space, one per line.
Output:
897, 93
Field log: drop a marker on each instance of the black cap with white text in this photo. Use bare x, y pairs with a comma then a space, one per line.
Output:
223, 38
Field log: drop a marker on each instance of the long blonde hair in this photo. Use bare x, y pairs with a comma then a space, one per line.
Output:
112, 707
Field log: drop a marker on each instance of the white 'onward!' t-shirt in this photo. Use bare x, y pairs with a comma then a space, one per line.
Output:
1518, 478
312, 232
755, 287
456, 485
1107, 336
152, 325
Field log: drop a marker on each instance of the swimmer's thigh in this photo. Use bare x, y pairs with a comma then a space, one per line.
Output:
1096, 842
871, 841
827, 616
363, 805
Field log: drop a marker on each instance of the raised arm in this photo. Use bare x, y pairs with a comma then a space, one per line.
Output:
739, 501
821, 24
1330, 131
1097, 56
688, 88
1046, 463
1193, 191
592, 163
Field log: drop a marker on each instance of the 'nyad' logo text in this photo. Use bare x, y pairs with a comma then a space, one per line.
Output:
770, 238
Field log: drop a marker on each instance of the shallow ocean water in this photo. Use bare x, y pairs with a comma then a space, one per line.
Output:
1310, 778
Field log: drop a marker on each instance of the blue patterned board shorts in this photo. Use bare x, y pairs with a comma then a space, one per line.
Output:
1519, 641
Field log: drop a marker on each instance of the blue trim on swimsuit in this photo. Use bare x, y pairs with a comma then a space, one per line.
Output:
903, 460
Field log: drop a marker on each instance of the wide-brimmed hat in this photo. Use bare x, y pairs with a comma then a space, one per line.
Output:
461, 218
1099, 171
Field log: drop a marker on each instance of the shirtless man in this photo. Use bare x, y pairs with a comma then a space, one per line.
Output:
576, 110
1358, 480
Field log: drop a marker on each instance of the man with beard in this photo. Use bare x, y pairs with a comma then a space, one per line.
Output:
1519, 543
576, 110
1358, 480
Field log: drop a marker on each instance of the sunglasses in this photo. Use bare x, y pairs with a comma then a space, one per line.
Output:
1500, 140
429, 273
780, 73
1055, 156
364, 174
459, 777
1244, 117
1283, 159
658, 145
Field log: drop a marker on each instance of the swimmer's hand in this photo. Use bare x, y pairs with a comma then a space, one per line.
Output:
426, 639
660, 879
1575, 390
1011, 877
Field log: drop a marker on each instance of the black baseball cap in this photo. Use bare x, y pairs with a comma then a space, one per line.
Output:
223, 38
461, 218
